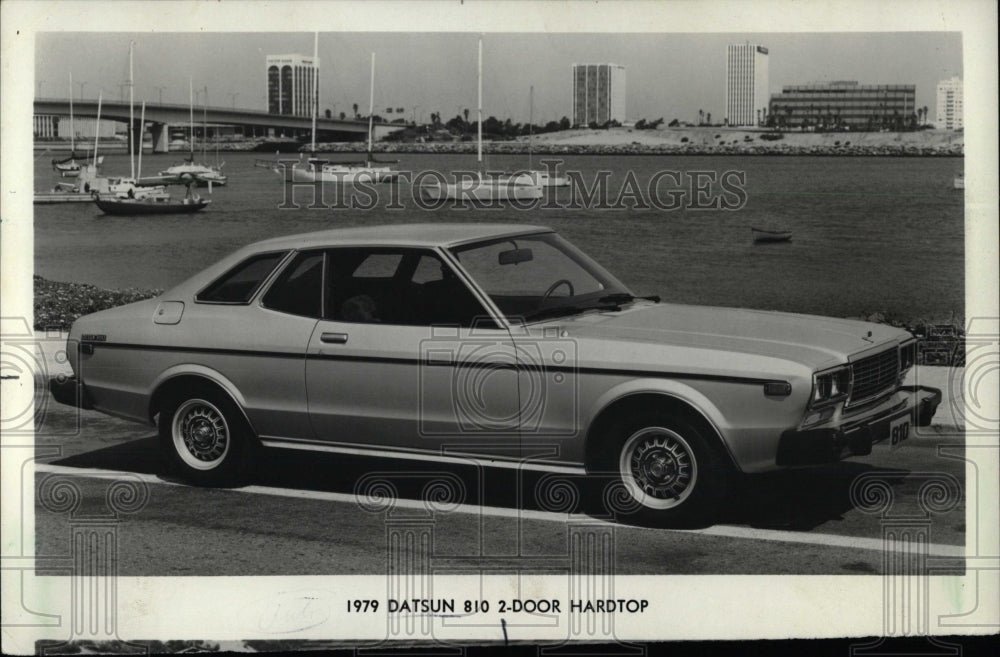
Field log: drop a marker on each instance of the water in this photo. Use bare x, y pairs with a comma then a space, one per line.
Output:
870, 234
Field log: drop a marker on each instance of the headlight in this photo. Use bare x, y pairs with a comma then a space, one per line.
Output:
830, 386
907, 357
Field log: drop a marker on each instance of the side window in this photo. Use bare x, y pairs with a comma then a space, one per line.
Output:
239, 284
299, 289
409, 287
379, 265
428, 269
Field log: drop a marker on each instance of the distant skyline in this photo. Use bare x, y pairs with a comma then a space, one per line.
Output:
669, 75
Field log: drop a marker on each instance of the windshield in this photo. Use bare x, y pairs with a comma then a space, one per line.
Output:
538, 276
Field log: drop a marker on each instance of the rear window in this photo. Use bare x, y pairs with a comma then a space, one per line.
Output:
239, 284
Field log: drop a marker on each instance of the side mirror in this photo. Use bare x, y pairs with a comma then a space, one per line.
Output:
515, 256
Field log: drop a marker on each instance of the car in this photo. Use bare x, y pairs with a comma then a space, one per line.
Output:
492, 344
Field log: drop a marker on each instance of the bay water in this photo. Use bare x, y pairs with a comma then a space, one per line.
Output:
870, 234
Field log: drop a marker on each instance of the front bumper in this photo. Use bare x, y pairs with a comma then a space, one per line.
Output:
67, 390
855, 438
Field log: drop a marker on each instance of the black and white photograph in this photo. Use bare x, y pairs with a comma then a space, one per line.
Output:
340, 325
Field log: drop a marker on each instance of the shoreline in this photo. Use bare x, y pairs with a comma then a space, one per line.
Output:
687, 141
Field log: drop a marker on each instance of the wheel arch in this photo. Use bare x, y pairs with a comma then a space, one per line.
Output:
182, 377
688, 404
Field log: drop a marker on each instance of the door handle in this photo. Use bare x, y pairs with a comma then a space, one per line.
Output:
333, 338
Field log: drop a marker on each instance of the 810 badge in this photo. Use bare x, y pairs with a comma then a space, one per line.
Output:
899, 430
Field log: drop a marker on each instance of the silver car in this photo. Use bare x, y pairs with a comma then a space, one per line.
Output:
492, 344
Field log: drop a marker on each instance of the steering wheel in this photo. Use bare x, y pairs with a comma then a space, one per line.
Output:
555, 286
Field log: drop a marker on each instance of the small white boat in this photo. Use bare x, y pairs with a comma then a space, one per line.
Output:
191, 172
500, 188
317, 170
543, 179
959, 182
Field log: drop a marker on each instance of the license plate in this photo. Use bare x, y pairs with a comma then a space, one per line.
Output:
899, 430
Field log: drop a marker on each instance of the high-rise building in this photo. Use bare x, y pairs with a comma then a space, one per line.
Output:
845, 104
598, 93
292, 84
949, 104
746, 84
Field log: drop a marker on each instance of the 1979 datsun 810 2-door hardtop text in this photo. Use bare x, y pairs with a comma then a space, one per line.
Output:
496, 344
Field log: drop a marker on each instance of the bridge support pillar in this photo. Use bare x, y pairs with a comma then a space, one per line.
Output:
161, 137
134, 136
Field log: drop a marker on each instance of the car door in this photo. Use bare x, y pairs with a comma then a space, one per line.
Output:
400, 362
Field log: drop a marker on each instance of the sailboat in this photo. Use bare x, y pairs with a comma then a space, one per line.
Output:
135, 200
70, 167
89, 182
188, 171
318, 170
504, 187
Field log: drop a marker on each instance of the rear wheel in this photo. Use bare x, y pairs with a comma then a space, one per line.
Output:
207, 438
669, 471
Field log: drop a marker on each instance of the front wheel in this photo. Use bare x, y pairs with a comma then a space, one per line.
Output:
206, 438
669, 471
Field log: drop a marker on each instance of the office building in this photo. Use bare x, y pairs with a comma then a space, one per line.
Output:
746, 85
598, 93
845, 104
949, 105
292, 84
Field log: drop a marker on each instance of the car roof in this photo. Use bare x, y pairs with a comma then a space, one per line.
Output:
414, 235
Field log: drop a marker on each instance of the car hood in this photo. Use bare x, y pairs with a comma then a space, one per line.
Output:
809, 340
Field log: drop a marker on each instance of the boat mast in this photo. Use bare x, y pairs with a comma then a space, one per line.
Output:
204, 124
97, 132
371, 107
531, 121
191, 116
131, 114
315, 98
142, 125
479, 112
72, 132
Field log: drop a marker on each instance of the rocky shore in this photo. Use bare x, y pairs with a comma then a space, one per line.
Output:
680, 141
58, 305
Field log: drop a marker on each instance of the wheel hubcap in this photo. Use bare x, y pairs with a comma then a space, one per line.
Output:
200, 433
658, 467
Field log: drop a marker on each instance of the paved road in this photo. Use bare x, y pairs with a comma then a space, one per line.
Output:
304, 514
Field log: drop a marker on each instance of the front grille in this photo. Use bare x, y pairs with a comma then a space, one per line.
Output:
874, 375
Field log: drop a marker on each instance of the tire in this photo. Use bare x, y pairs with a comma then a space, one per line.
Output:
669, 472
206, 438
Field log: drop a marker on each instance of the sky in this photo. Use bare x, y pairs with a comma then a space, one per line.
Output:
668, 75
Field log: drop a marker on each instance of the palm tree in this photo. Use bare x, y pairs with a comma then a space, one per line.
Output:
355, 106
701, 117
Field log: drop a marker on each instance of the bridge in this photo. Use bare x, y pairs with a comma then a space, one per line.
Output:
254, 123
